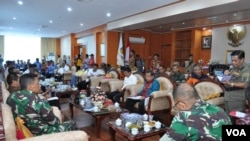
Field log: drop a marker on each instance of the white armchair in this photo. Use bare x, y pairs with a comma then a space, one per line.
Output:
104, 83
210, 91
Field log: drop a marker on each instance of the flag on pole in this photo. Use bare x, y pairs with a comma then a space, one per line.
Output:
120, 56
127, 52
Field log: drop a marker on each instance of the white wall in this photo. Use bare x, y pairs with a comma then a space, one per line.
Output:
89, 41
65, 46
220, 44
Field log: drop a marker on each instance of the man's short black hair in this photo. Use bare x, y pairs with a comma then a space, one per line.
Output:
126, 68
11, 70
96, 65
239, 53
11, 77
150, 72
26, 80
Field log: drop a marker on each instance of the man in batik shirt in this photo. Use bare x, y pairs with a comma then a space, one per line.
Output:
196, 119
35, 111
176, 75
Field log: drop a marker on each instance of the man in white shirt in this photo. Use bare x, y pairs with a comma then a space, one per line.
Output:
129, 79
64, 68
93, 72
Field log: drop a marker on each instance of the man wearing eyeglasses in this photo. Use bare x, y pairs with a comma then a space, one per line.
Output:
196, 119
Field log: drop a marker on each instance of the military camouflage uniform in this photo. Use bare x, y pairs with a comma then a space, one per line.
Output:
234, 96
202, 122
178, 77
37, 113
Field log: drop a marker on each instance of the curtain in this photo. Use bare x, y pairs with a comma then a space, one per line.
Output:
48, 45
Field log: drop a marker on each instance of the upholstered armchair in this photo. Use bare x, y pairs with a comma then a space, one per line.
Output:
94, 81
211, 92
66, 77
9, 126
159, 100
110, 76
117, 84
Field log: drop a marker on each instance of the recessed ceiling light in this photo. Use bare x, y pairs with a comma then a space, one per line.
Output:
20, 2
63, 31
14, 18
160, 26
50, 21
235, 14
81, 24
204, 28
183, 23
69, 9
108, 14
227, 21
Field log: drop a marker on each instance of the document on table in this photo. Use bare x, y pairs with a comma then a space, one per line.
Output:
52, 98
136, 97
224, 78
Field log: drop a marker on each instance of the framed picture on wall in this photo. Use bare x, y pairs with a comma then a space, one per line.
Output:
206, 42
228, 56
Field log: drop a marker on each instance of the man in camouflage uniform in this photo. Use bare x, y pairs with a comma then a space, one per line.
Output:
235, 88
176, 75
35, 111
196, 119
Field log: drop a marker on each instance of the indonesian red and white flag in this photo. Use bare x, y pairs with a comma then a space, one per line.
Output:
120, 55
127, 52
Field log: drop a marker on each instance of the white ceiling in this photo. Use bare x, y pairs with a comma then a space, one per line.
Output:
32, 18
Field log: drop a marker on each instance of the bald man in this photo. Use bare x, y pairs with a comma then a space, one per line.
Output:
196, 119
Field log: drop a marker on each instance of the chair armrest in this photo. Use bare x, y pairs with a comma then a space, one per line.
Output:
57, 112
160, 100
62, 136
133, 89
94, 81
115, 85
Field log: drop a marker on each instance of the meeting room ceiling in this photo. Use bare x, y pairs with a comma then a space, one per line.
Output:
55, 18
46, 18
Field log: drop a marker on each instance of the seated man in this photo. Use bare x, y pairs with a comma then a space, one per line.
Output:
94, 72
63, 68
129, 79
197, 75
176, 75
196, 119
150, 86
35, 111
13, 82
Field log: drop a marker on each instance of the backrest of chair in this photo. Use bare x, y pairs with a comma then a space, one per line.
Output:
67, 76
140, 78
207, 88
165, 83
114, 74
8, 123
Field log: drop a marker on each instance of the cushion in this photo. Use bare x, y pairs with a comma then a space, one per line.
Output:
211, 96
20, 126
8, 122
109, 75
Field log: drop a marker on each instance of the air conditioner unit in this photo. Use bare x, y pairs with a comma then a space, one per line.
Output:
137, 40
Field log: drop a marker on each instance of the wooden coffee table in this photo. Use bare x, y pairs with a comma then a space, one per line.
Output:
113, 129
98, 116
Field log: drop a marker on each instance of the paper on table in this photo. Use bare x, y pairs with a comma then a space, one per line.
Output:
136, 97
224, 78
52, 98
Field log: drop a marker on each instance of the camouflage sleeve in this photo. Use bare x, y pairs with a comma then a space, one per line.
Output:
178, 129
47, 113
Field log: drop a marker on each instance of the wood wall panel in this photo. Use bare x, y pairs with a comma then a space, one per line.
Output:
58, 47
112, 47
141, 49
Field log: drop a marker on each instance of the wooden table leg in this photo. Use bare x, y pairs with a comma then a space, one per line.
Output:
112, 133
71, 109
98, 123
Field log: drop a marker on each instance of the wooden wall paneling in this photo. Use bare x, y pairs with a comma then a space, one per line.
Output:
73, 47
196, 48
141, 49
98, 46
112, 47
166, 49
58, 47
